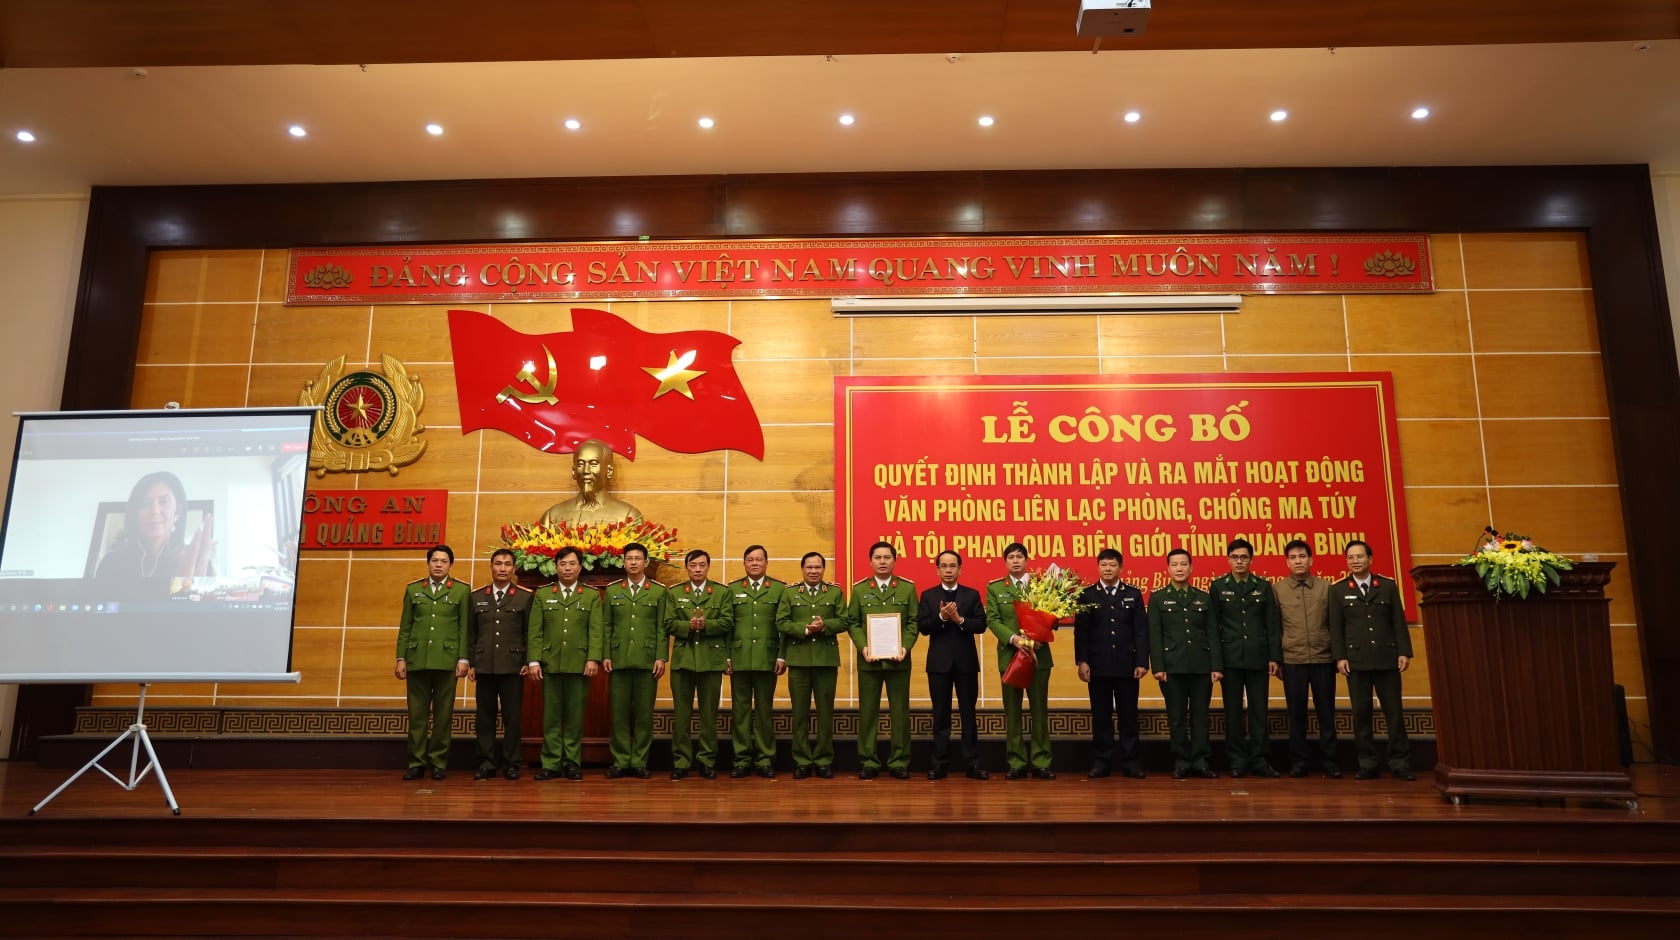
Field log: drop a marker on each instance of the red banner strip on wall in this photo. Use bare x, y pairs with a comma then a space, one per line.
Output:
1071, 465
1099, 264
344, 519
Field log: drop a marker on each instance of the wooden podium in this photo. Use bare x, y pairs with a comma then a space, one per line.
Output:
1523, 690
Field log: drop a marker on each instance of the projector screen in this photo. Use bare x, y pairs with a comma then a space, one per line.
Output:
156, 546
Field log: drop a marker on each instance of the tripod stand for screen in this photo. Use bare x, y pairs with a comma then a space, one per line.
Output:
136, 773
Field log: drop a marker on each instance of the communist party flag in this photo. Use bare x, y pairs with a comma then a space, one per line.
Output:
606, 379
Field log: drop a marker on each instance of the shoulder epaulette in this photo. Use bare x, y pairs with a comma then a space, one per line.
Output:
520, 587
418, 580
860, 582
614, 583
775, 579
997, 580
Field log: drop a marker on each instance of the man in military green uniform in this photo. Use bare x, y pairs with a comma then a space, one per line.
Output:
431, 655
566, 635
1251, 650
1372, 646
1001, 596
755, 660
636, 649
883, 593
496, 639
700, 625
1185, 651
810, 620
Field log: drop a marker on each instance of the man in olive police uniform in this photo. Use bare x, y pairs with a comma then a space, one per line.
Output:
431, 655
1372, 646
1251, 649
1185, 653
755, 660
496, 639
566, 635
701, 618
1001, 596
1111, 646
883, 593
636, 649
811, 619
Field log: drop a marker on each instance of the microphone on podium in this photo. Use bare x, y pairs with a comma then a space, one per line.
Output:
1487, 532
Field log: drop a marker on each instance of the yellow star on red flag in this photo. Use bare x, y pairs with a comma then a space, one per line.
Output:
675, 375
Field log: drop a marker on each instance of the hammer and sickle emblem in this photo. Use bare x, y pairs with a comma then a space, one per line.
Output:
544, 393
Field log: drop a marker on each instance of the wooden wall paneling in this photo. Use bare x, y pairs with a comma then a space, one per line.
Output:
1395, 323
1559, 320
1287, 323
202, 333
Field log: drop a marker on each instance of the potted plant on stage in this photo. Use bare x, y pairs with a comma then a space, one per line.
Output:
601, 544
1512, 565
1051, 597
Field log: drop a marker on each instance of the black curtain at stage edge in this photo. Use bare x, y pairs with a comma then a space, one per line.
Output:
1612, 205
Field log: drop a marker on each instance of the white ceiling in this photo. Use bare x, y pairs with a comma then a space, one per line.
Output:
1507, 104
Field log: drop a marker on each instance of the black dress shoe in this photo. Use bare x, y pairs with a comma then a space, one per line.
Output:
510, 773
1015, 773
1237, 773
414, 773
641, 773
738, 771
1098, 772
546, 774
708, 772
615, 772
937, 773
1299, 770
826, 772
485, 773
1204, 773
1043, 773
767, 772
1136, 773
801, 773
1180, 773
1365, 773
1332, 771
975, 773
574, 772
868, 773
679, 773
1403, 773
898, 773
438, 773
1265, 770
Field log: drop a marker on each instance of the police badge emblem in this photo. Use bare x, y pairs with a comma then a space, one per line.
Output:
369, 421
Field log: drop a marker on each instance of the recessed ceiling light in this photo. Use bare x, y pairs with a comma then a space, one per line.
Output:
573, 124
986, 120
847, 120
1132, 117
1420, 113
435, 130
26, 137
297, 130
707, 122
1279, 115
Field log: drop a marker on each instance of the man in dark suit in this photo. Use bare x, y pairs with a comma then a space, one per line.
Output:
1111, 646
496, 644
951, 615
1372, 647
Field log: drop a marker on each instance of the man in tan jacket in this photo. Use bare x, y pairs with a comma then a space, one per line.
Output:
1307, 665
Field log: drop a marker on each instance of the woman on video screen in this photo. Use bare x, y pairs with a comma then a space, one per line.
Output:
153, 543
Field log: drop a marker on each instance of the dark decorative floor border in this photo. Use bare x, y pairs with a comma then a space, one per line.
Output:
247, 722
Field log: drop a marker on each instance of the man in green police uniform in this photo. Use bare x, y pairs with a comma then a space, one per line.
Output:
882, 593
810, 621
1184, 649
635, 651
566, 634
1001, 596
431, 655
1251, 649
1372, 646
496, 642
700, 624
755, 660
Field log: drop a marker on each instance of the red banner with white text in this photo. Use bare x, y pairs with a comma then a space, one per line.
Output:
948, 266
1071, 465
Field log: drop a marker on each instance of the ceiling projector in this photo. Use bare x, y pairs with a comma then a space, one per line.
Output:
1112, 17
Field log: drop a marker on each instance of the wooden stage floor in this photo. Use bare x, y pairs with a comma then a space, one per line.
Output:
1071, 798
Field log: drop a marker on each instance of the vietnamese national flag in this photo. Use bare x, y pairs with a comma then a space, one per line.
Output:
606, 379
